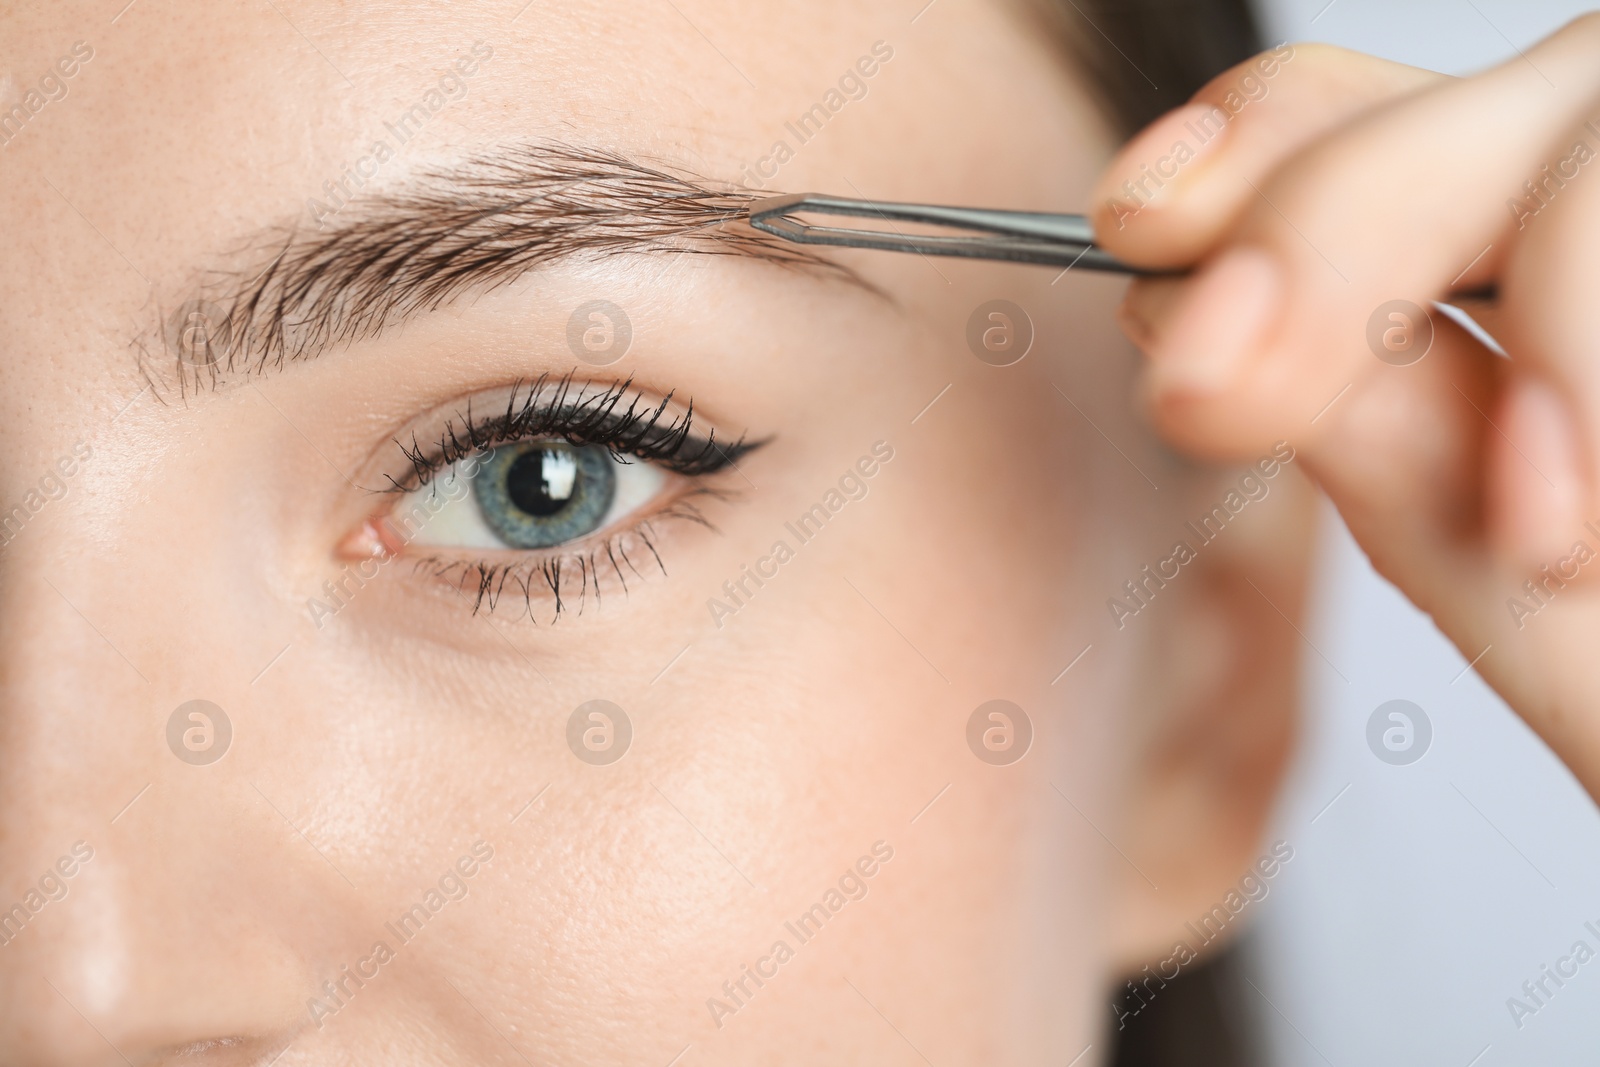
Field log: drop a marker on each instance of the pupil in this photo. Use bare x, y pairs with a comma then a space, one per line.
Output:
541, 481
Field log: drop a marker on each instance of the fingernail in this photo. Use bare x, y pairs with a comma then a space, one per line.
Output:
1218, 325
1155, 159
1544, 484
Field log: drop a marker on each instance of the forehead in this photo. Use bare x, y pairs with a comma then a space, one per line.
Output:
183, 129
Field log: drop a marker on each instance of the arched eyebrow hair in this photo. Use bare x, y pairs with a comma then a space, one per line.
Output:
467, 228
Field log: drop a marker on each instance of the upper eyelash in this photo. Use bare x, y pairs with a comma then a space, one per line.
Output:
568, 410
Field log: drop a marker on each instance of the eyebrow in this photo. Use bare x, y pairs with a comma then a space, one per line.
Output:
470, 227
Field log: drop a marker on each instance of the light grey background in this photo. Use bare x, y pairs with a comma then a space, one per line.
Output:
1422, 897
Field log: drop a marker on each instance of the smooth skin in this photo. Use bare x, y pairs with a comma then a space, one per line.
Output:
1355, 182
370, 754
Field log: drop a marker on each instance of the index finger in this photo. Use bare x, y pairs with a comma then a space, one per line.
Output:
1174, 190
1395, 205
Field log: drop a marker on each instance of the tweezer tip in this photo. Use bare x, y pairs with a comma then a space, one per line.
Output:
769, 206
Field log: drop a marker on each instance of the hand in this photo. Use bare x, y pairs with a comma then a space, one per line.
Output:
1339, 184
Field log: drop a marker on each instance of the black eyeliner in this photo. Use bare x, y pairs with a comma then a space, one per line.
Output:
580, 415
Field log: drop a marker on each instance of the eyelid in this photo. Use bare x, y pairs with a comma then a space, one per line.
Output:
618, 416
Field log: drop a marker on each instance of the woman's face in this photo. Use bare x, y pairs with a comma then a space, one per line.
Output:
400, 829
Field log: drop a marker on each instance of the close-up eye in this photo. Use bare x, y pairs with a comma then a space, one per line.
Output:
534, 494
555, 489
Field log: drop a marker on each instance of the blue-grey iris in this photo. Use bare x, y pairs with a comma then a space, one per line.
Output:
537, 494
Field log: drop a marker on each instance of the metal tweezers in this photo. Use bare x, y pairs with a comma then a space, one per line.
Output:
1015, 236
1018, 236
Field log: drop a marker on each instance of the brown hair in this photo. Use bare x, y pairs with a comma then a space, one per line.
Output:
1141, 58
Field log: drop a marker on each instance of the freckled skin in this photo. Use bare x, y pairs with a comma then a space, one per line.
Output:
228, 905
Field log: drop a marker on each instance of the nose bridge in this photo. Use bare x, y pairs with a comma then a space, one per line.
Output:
109, 621
122, 920
73, 706
71, 713
67, 698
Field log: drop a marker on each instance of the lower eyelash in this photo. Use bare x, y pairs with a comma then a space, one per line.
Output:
552, 577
